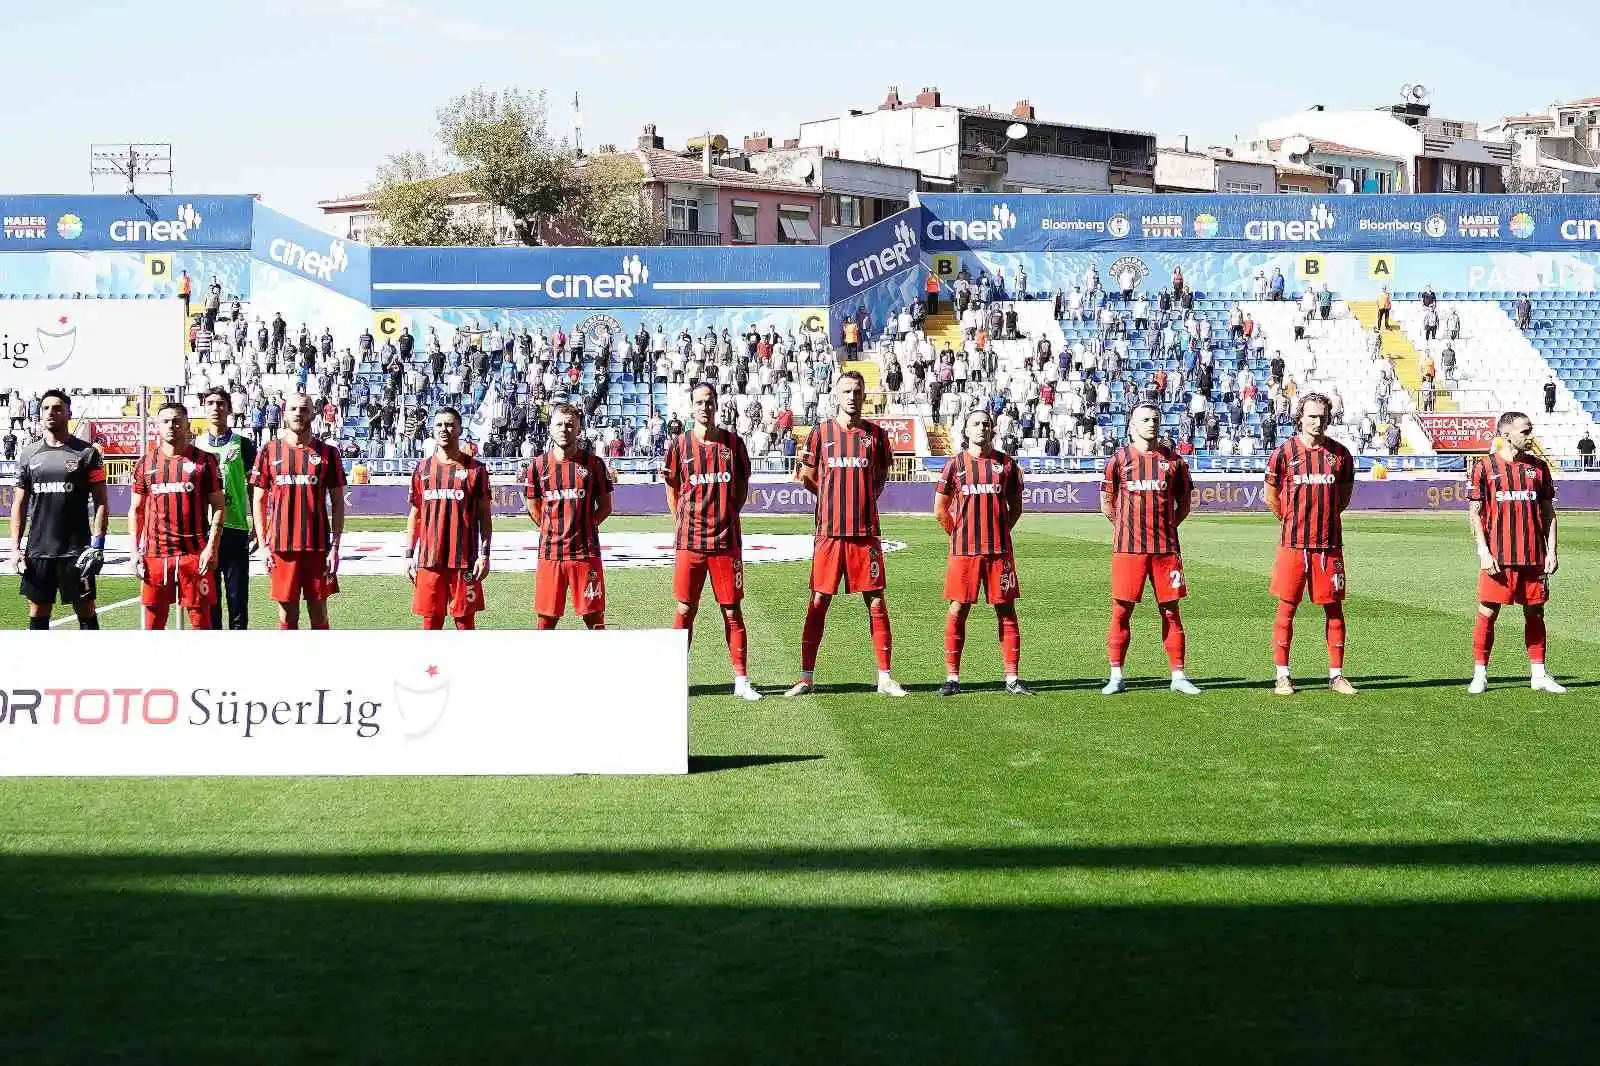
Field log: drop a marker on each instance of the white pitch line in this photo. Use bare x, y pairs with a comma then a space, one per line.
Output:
73, 618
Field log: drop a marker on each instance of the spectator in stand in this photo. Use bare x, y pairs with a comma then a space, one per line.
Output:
1428, 394
1375, 343
1275, 287
1391, 438
1366, 429
1447, 361
213, 304
1452, 324
1177, 282
1324, 301
1430, 323
1126, 280
931, 289
1385, 305
1336, 402
1524, 312
1585, 451
1550, 396
1428, 298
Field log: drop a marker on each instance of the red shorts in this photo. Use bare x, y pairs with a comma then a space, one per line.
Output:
964, 575
446, 591
726, 570
177, 579
1130, 571
585, 577
1299, 570
858, 560
1514, 584
297, 574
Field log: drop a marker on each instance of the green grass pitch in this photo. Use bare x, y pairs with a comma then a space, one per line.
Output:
1412, 876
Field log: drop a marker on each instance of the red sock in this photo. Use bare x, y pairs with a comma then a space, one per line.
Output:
1172, 637
155, 617
955, 639
1533, 634
286, 624
466, 621
882, 639
595, 621
319, 625
1335, 631
1011, 644
681, 621
433, 621
199, 617
544, 621
811, 635
1121, 634
1283, 632
1482, 639
738, 642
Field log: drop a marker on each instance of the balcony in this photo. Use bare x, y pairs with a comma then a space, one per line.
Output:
687, 238
990, 143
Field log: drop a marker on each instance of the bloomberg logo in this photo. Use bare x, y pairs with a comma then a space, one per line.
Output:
1308, 230
311, 264
889, 261
158, 231
993, 229
1581, 229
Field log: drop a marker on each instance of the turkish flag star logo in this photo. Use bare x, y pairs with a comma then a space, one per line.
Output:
433, 671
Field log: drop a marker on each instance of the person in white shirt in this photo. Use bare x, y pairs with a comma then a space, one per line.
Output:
1261, 285
1225, 444
1141, 313
1198, 405
1102, 396
1248, 445
962, 370
905, 321
1075, 304
1126, 281
658, 341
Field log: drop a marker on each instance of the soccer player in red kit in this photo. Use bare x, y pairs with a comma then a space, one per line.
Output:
708, 478
1513, 517
569, 495
1145, 495
846, 462
175, 519
450, 529
1309, 481
978, 502
299, 507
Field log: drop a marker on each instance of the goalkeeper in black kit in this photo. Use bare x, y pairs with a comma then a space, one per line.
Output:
60, 503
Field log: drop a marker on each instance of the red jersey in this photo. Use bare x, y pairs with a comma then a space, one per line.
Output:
708, 477
1310, 482
852, 465
1145, 488
571, 490
175, 491
980, 491
448, 498
297, 479
1513, 494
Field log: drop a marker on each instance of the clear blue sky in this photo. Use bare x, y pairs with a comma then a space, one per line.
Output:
299, 100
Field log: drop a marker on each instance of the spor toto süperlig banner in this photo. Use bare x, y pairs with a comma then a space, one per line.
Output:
85, 344
1250, 222
343, 703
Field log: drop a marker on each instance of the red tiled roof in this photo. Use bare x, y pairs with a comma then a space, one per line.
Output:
1587, 101
662, 165
1333, 148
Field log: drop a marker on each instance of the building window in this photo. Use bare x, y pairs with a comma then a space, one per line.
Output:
794, 225
1385, 181
1358, 178
1474, 179
1294, 188
744, 222
1449, 177
1451, 129
844, 211
683, 215
1243, 186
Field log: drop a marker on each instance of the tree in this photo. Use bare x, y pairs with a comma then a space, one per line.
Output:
613, 208
508, 158
410, 198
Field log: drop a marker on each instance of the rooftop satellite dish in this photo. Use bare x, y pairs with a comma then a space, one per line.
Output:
1406, 90
1016, 131
1297, 145
1419, 93
804, 169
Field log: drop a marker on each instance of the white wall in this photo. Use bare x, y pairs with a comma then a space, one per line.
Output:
1057, 173
923, 138
1376, 131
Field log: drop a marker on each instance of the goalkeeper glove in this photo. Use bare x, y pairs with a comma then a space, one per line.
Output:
92, 558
